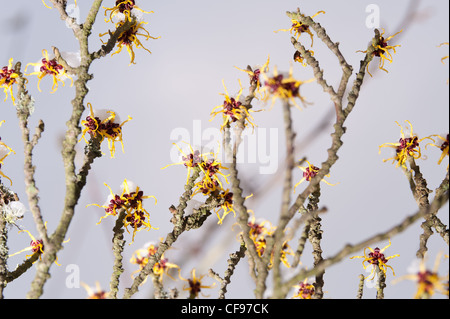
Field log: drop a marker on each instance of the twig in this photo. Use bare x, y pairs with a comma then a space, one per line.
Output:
3, 253
315, 237
73, 189
336, 136
22, 268
420, 192
287, 186
118, 244
336, 97
24, 110
381, 283
113, 36
238, 199
360, 287
232, 263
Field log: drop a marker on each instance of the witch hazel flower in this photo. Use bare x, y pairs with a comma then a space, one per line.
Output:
189, 157
284, 88
376, 258
141, 257
195, 285
130, 38
95, 292
124, 10
8, 77
232, 109
104, 124
261, 249
428, 280
309, 173
298, 28
405, 147
382, 51
212, 173
258, 227
48, 66
130, 200
225, 197
36, 246
254, 75
304, 290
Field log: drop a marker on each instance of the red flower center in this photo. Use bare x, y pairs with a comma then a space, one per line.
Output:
376, 256
50, 67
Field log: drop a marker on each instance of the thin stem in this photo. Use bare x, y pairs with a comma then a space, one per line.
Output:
73, 189
118, 244
360, 287
420, 192
24, 110
3, 252
381, 283
287, 186
232, 263
315, 237
239, 200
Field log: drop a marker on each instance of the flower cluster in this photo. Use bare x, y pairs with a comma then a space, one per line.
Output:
102, 124
141, 258
126, 11
258, 234
287, 89
49, 66
297, 28
130, 200
232, 109
304, 290
8, 78
405, 147
382, 51
211, 173
5, 151
209, 183
376, 258
258, 228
